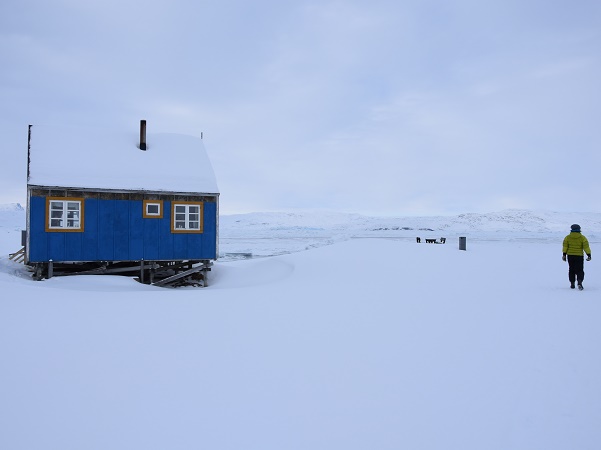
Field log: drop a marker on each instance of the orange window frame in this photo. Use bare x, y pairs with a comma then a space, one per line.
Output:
187, 230
152, 216
79, 200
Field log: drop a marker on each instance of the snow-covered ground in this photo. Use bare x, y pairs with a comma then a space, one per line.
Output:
372, 342
266, 234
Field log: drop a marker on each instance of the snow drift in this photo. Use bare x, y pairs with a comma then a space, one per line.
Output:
365, 343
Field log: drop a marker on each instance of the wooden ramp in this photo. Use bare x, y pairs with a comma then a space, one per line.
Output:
170, 281
18, 256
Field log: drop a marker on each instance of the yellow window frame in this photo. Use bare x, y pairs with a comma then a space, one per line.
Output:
145, 213
81, 202
187, 230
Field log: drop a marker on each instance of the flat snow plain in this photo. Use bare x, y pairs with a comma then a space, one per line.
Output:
367, 343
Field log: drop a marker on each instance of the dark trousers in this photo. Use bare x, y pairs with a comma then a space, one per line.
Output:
576, 271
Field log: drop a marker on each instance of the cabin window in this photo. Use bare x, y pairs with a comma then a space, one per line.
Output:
187, 217
153, 209
64, 214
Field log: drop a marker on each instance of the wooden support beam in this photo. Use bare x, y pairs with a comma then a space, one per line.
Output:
18, 256
177, 276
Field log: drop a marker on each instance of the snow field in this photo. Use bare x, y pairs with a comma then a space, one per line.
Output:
366, 343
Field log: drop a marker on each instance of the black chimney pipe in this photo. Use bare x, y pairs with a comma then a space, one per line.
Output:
142, 135
28, 151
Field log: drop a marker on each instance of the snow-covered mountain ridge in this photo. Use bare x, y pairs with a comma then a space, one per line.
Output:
11, 207
511, 220
267, 234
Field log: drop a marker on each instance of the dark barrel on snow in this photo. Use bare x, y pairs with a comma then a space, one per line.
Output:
462, 242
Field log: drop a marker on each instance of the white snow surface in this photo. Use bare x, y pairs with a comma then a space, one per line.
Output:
265, 234
108, 159
371, 342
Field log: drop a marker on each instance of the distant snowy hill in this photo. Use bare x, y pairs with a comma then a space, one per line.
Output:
11, 207
12, 216
264, 234
512, 221
274, 233
12, 221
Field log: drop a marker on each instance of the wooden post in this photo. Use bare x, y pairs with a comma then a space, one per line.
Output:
50, 269
142, 271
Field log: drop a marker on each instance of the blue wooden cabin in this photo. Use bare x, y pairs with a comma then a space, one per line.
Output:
101, 201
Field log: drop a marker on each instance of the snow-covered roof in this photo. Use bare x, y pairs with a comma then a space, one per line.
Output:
110, 159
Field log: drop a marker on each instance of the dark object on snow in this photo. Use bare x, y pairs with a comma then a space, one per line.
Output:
418, 240
462, 243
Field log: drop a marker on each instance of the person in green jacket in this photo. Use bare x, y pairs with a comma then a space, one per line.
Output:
574, 244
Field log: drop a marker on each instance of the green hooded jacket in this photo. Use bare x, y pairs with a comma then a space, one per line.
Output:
575, 243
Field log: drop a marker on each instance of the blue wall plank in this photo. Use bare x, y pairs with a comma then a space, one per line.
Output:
73, 247
165, 240
56, 247
89, 249
136, 231
180, 246
38, 238
210, 231
106, 241
151, 238
121, 230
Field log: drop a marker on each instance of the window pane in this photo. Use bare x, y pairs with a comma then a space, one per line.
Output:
65, 214
152, 209
187, 216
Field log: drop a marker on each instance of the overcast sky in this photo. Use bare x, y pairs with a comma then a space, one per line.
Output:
373, 106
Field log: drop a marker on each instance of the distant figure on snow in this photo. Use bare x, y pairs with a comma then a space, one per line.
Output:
574, 244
